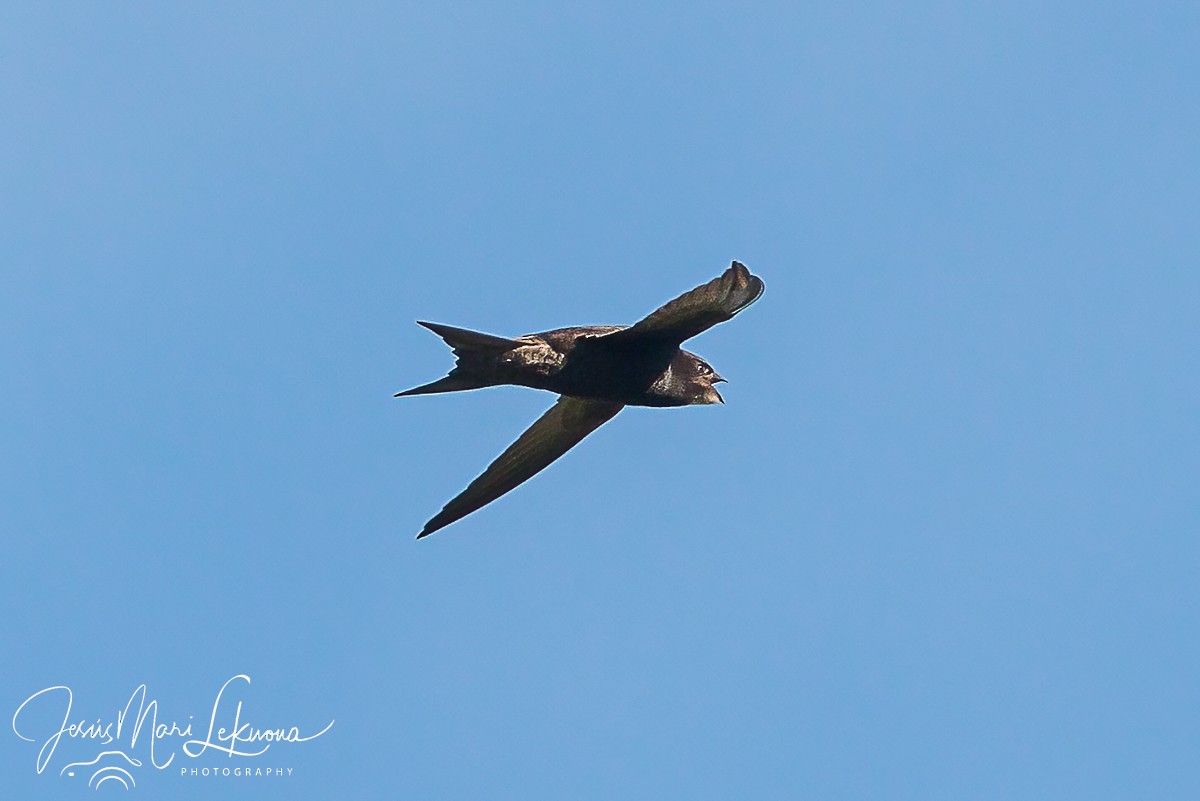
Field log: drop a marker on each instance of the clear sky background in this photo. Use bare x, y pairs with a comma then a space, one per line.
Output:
940, 543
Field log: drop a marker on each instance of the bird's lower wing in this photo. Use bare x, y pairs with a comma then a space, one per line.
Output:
554, 433
696, 311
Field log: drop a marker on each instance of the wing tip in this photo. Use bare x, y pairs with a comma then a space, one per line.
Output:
439, 522
745, 281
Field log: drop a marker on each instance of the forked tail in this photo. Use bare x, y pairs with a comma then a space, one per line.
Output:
477, 356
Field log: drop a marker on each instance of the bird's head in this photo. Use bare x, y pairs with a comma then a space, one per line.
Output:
699, 380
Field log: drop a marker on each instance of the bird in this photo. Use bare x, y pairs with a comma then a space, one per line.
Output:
595, 370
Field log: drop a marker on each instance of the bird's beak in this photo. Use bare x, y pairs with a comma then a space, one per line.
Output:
716, 379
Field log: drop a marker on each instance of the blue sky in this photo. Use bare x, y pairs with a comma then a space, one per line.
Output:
940, 542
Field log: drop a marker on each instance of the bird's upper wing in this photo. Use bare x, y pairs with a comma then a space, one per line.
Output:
698, 310
554, 433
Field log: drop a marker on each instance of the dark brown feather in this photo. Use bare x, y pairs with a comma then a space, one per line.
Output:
553, 434
698, 310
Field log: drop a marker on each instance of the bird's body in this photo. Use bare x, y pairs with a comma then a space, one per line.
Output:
596, 371
580, 362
